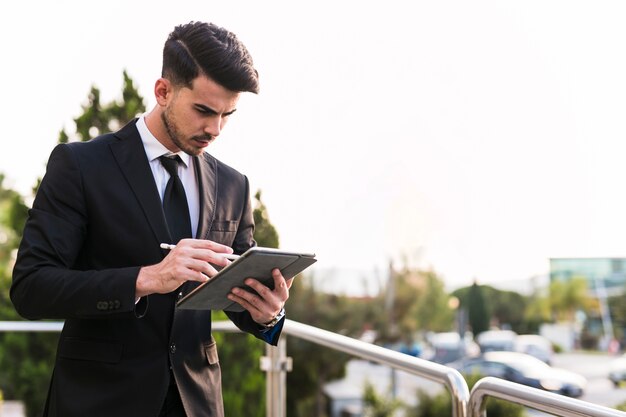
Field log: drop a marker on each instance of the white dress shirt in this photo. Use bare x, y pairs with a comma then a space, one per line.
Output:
186, 172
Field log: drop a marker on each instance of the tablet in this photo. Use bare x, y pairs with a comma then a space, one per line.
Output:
256, 262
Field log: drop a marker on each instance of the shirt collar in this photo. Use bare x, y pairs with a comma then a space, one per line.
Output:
154, 148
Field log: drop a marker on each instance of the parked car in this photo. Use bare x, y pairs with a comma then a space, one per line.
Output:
492, 340
523, 369
448, 346
534, 345
617, 371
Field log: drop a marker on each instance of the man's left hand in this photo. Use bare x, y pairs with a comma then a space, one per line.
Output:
268, 303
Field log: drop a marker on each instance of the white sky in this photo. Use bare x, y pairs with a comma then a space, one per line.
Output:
479, 138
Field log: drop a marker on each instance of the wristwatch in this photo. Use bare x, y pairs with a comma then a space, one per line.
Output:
275, 320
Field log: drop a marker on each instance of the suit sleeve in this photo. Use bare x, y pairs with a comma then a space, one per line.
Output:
46, 283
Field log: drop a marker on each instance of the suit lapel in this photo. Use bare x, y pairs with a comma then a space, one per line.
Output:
133, 162
206, 171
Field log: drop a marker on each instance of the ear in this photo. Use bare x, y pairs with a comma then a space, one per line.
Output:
162, 91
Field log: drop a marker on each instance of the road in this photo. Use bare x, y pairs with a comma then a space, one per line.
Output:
594, 367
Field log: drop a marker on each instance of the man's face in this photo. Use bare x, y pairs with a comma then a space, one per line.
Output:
194, 117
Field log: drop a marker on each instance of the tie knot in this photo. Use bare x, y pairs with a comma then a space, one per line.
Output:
170, 163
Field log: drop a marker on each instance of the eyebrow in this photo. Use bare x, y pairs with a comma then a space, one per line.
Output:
210, 110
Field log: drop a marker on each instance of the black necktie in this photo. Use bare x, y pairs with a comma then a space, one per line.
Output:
175, 202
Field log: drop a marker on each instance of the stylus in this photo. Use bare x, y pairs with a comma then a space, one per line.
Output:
230, 256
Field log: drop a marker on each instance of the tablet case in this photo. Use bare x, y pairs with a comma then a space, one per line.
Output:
255, 263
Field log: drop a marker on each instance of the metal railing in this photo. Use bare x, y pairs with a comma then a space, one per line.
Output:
548, 402
276, 364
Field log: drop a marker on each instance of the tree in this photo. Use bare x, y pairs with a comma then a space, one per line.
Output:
568, 296
431, 310
477, 313
98, 119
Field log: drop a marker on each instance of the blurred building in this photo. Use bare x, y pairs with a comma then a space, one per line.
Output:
601, 274
605, 277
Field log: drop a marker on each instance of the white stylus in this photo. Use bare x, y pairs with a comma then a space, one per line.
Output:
230, 256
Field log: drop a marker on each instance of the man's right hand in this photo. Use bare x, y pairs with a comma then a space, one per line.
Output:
188, 261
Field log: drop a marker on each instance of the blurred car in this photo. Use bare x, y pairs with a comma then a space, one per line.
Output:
534, 345
617, 370
496, 340
523, 369
448, 346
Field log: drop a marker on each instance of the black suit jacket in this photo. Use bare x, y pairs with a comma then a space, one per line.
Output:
96, 219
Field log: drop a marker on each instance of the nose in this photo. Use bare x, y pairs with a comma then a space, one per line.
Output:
213, 126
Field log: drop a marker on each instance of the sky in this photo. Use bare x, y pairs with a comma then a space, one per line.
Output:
477, 139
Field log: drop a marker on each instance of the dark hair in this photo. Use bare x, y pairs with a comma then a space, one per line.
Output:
198, 48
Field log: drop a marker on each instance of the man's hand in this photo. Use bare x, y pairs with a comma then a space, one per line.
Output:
188, 261
268, 303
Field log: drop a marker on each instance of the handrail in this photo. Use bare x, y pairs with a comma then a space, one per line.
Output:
450, 377
534, 398
31, 326
464, 403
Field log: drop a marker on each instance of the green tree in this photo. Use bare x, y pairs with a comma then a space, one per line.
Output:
568, 296
477, 313
431, 311
98, 118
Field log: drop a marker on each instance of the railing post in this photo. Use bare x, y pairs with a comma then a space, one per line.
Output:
276, 364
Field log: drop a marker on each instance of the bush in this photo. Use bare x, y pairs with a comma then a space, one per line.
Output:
441, 404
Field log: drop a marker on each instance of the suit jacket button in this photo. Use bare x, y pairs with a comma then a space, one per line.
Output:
173, 348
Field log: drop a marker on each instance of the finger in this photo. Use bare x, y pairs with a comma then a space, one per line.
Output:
202, 255
247, 300
289, 282
207, 244
280, 284
262, 290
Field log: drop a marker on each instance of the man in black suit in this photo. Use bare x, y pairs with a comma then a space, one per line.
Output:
90, 252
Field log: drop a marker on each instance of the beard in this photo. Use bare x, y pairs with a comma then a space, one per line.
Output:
185, 145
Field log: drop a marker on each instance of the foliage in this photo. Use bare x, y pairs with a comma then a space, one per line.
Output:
415, 301
313, 366
477, 313
441, 404
537, 311
431, 310
568, 296
375, 405
491, 305
98, 118
265, 233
